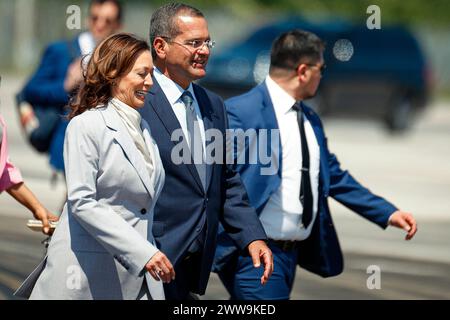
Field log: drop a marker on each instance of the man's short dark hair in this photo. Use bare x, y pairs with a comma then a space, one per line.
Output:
117, 3
162, 23
294, 47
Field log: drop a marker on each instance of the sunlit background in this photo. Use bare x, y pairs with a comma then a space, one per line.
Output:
28, 25
410, 167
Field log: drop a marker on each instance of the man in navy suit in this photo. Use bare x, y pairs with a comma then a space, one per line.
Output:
197, 194
292, 202
59, 74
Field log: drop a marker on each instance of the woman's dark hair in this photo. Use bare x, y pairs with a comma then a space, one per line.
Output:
113, 58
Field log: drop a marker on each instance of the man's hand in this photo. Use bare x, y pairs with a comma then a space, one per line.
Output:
405, 221
259, 251
160, 267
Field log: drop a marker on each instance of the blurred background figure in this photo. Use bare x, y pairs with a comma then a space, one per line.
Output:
407, 57
58, 76
11, 181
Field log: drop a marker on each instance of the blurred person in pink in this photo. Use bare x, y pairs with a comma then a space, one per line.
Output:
11, 181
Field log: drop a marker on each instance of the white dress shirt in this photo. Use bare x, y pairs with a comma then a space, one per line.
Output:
87, 45
173, 94
281, 217
86, 42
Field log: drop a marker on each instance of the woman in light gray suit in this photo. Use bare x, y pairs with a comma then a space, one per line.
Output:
103, 246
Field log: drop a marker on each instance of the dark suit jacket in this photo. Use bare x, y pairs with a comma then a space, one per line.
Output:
320, 253
183, 206
46, 86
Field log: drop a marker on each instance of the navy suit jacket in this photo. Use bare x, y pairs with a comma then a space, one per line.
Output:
183, 204
320, 253
46, 86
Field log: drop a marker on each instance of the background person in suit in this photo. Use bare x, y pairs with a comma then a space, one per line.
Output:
103, 245
196, 195
58, 76
292, 204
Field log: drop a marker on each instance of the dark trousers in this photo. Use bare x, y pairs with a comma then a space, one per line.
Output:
187, 273
243, 281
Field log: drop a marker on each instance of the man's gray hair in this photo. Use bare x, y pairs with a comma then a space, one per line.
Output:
162, 23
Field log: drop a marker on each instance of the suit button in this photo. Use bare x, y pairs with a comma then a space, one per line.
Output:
143, 211
207, 200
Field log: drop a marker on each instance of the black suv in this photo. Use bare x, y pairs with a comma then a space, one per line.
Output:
386, 76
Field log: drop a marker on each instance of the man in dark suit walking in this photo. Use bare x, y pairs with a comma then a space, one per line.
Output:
292, 202
197, 194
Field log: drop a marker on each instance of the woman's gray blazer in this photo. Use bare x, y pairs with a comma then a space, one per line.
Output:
103, 239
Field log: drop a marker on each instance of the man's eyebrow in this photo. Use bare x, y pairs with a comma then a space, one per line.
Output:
198, 38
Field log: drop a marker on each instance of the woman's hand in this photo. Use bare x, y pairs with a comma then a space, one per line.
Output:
160, 267
45, 216
23, 195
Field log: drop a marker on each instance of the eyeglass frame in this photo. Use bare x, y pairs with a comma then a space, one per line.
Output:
209, 43
322, 68
108, 21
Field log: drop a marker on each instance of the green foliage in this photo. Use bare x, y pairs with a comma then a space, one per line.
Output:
412, 12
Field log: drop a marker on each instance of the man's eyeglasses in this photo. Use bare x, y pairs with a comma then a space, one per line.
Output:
195, 44
321, 67
108, 21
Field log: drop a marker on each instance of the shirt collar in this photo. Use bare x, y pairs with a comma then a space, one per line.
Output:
87, 43
282, 101
171, 89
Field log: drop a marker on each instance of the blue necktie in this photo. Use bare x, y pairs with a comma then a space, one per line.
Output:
195, 138
196, 145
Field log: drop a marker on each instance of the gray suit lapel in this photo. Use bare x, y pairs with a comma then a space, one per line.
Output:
123, 138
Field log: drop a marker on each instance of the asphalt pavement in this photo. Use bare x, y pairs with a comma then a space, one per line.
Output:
411, 170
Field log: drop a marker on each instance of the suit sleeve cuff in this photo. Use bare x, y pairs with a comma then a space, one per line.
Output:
248, 236
137, 267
